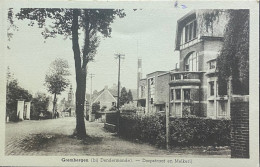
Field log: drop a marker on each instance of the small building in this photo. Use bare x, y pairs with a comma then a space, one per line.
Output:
153, 91
105, 98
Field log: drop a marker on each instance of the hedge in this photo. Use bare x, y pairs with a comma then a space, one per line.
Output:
183, 131
111, 118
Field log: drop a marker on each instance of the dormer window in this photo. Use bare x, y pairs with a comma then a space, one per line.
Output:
189, 32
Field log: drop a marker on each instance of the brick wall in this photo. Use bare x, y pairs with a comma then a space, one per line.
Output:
240, 129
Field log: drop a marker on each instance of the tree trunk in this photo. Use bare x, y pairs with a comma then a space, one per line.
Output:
80, 79
54, 106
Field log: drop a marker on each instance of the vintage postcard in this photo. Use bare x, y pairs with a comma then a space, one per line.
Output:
129, 83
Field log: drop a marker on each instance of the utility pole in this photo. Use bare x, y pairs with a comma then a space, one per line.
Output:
90, 97
119, 57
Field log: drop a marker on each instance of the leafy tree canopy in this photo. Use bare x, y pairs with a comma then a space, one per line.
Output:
39, 104
129, 96
68, 22
233, 61
55, 80
14, 93
123, 97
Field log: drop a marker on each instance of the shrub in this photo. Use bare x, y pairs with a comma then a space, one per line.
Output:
129, 108
112, 118
113, 108
103, 108
199, 132
150, 129
183, 131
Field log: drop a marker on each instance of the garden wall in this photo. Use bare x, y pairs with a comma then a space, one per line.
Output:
240, 128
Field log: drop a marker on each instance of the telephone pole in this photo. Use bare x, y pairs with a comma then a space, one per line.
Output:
119, 57
90, 101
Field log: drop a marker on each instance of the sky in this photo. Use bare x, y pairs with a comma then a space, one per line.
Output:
148, 34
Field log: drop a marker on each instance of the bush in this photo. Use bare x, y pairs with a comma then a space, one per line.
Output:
150, 129
199, 132
183, 131
103, 108
129, 108
112, 118
113, 108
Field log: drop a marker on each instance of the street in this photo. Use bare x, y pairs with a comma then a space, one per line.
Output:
54, 137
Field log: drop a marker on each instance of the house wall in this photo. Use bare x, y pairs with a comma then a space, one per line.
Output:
216, 30
163, 87
198, 47
207, 45
158, 91
106, 99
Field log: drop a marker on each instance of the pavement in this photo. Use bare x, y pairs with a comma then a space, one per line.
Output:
54, 138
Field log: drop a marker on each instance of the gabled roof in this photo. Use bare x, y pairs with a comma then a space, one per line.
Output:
104, 90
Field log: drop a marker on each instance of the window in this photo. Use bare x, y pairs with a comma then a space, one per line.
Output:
152, 81
190, 31
177, 76
151, 100
172, 77
211, 85
178, 94
222, 91
142, 91
195, 29
113, 103
191, 62
172, 94
186, 34
186, 93
222, 108
212, 64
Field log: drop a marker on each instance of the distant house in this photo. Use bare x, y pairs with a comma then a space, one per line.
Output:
105, 97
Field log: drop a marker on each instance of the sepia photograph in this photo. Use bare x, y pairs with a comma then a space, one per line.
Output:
129, 85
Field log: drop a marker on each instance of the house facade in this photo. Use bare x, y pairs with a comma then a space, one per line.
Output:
105, 98
193, 89
153, 92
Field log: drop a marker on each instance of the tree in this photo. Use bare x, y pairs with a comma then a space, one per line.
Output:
40, 104
55, 79
68, 22
123, 97
233, 61
95, 107
15, 92
129, 96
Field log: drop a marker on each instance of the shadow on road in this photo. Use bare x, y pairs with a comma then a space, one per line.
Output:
38, 142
